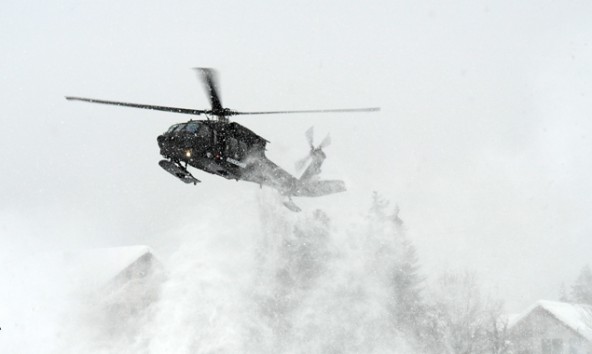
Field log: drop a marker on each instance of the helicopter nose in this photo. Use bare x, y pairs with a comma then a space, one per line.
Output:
162, 141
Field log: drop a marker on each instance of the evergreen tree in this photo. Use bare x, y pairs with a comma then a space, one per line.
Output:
407, 284
404, 274
293, 254
581, 291
307, 251
378, 208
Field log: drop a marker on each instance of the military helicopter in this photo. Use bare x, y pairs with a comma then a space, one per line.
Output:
224, 148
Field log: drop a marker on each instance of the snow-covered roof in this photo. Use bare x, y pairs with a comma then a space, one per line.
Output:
100, 265
577, 317
80, 270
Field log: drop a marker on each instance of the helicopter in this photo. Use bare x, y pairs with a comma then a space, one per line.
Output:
230, 150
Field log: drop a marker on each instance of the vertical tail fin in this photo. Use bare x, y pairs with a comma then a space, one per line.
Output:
314, 168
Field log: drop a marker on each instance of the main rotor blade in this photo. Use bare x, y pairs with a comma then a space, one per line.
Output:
139, 105
344, 110
208, 77
310, 137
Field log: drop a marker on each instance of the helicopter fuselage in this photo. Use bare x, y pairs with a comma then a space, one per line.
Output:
220, 148
232, 151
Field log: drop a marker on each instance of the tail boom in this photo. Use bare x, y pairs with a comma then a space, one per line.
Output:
319, 188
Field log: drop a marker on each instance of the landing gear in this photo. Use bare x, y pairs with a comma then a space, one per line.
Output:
291, 205
178, 171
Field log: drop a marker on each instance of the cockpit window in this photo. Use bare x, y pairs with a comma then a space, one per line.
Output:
172, 128
192, 127
180, 127
204, 132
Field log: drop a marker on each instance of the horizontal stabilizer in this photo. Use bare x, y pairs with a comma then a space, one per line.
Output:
319, 188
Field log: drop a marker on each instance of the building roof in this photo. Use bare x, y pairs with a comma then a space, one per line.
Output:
577, 317
96, 267
77, 270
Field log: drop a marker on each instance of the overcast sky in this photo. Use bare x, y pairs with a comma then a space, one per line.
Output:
483, 139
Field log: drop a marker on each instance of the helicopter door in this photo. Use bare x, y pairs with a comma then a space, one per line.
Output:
232, 148
242, 149
204, 132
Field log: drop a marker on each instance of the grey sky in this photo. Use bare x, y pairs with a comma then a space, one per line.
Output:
483, 138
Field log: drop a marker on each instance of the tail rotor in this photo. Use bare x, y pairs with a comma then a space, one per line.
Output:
314, 151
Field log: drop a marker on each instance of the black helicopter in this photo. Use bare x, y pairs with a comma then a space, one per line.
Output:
230, 150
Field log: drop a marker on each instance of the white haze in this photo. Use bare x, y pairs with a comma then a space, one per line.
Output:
267, 290
483, 139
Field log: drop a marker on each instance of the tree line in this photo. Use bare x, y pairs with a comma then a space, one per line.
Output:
365, 292
449, 315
